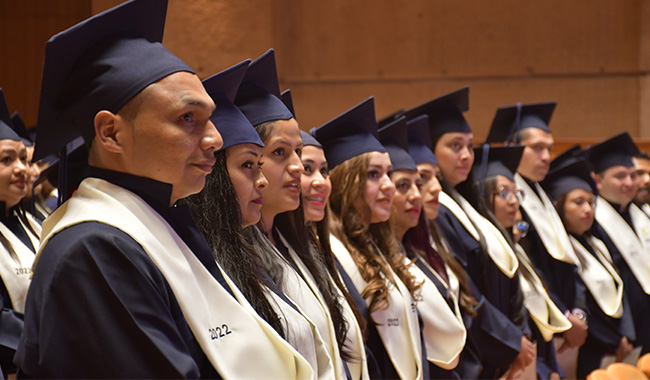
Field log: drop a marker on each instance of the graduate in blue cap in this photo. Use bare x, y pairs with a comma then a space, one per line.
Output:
547, 242
622, 226
19, 238
362, 241
477, 244
281, 236
34, 171
125, 286
642, 166
611, 328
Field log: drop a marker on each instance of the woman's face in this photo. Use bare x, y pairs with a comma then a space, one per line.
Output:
407, 203
579, 211
505, 202
282, 168
430, 188
379, 190
13, 172
244, 164
316, 184
455, 154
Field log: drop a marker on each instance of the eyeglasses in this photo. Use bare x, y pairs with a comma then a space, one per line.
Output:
506, 192
522, 226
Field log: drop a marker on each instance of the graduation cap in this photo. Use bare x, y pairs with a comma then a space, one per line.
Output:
259, 95
569, 155
231, 123
73, 169
390, 118
308, 139
350, 134
617, 150
571, 175
288, 101
510, 120
445, 112
491, 161
420, 140
20, 129
394, 137
6, 125
100, 64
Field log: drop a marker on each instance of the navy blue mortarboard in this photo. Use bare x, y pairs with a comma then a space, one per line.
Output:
445, 112
350, 134
6, 125
569, 155
20, 129
100, 64
394, 137
390, 118
231, 123
288, 101
259, 95
76, 169
420, 140
512, 119
571, 175
500, 160
308, 139
614, 151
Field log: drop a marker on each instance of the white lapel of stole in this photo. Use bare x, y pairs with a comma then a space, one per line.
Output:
458, 212
601, 278
646, 209
498, 247
546, 315
632, 247
444, 331
16, 273
547, 222
397, 325
329, 341
237, 341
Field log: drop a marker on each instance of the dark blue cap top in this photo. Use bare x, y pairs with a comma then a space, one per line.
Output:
308, 139
445, 112
231, 123
100, 64
420, 140
501, 160
511, 119
288, 101
350, 134
614, 151
259, 95
6, 125
390, 118
571, 175
569, 155
20, 129
394, 137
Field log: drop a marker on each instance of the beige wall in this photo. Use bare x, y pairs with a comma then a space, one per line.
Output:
592, 57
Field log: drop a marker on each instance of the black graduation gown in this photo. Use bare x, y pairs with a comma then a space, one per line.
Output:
605, 332
98, 307
503, 322
638, 300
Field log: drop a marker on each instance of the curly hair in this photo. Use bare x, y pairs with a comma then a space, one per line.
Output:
366, 242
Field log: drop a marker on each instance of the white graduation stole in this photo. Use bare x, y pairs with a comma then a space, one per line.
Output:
16, 272
634, 248
646, 209
547, 222
237, 341
546, 315
498, 247
397, 325
308, 299
444, 331
601, 278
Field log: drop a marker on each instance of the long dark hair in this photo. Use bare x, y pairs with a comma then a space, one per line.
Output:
217, 214
291, 225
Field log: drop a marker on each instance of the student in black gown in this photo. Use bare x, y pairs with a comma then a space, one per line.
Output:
33, 171
611, 329
125, 286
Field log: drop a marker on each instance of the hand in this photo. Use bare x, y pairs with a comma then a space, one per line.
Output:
554, 376
624, 348
526, 353
576, 335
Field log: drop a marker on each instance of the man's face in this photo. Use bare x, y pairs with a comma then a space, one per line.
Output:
617, 184
642, 168
171, 138
536, 158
